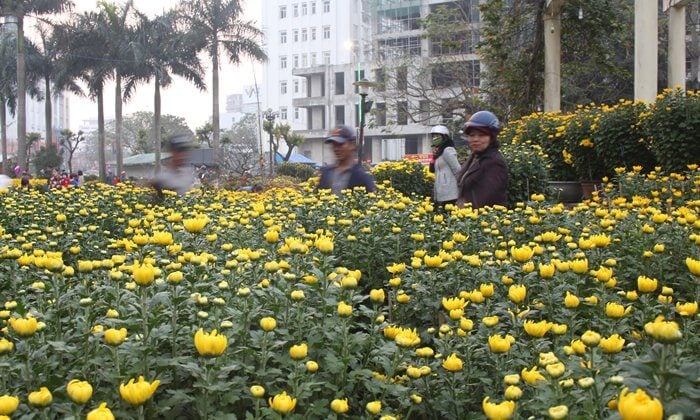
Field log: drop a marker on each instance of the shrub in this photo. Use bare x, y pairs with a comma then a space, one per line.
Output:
544, 130
579, 147
527, 171
299, 171
405, 176
672, 126
619, 137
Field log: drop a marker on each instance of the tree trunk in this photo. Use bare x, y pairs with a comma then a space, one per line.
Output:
101, 135
156, 124
3, 137
21, 98
48, 116
215, 128
118, 121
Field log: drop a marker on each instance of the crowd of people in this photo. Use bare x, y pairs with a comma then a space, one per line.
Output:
481, 180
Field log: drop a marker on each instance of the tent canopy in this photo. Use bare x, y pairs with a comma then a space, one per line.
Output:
296, 158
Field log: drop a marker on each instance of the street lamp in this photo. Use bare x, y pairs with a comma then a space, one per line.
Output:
269, 115
363, 87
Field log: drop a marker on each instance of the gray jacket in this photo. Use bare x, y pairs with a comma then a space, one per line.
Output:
446, 168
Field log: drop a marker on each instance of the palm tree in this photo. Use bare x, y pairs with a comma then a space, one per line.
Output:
18, 9
49, 64
8, 89
119, 34
90, 62
161, 51
220, 25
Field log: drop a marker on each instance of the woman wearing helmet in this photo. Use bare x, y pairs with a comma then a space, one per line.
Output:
483, 179
445, 166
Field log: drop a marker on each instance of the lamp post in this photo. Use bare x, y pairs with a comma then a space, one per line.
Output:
363, 87
269, 115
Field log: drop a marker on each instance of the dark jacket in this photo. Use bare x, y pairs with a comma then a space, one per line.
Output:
483, 179
358, 178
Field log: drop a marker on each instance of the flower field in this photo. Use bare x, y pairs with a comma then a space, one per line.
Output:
237, 305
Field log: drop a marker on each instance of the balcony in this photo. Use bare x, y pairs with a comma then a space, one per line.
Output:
316, 133
310, 102
309, 71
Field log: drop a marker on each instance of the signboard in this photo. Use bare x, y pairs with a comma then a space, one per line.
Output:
424, 158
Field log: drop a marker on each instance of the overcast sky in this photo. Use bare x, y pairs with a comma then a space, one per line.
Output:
181, 98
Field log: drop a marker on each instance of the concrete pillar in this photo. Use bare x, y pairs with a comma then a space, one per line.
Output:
646, 34
552, 56
676, 46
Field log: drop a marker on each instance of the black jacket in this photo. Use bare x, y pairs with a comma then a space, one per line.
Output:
483, 179
358, 178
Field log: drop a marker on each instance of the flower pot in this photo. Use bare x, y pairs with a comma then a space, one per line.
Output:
566, 191
588, 187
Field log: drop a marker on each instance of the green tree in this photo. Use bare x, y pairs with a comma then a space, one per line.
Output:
47, 157
69, 142
161, 51
137, 129
18, 9
119, 32
32, 140
90, 62
220, 25
597, 44
283, 131
8, 90
48, 64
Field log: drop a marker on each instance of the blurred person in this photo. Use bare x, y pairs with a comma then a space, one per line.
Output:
55, 179
483, 179
24, 183
74, 180
177, 174
445, 166
346, 173
81, 178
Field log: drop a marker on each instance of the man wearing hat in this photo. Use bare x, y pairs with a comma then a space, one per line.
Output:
177, 175
347, 173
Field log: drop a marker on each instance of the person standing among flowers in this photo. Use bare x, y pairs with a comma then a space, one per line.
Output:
177, 175
347, 173
483, 179
445, 166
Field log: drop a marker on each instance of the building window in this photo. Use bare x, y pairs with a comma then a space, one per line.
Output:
304, 9
295, 61
283, 113
313, 34
313, 59
304, 60
296, 86
340, 83
304, 35
296, 113
402, 113
424, 111
326, 57
313, 7
339, 114
283, 62
380, 80
326, 6
326, 32
283, 12
399, 19
283, 37
402, 79
380, 114
295, 35
283, 87
295, 10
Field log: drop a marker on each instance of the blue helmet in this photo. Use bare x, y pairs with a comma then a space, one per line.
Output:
484, 119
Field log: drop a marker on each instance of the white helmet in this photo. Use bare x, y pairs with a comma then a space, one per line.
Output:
440, 129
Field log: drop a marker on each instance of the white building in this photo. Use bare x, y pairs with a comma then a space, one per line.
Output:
372, 39
303, 38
